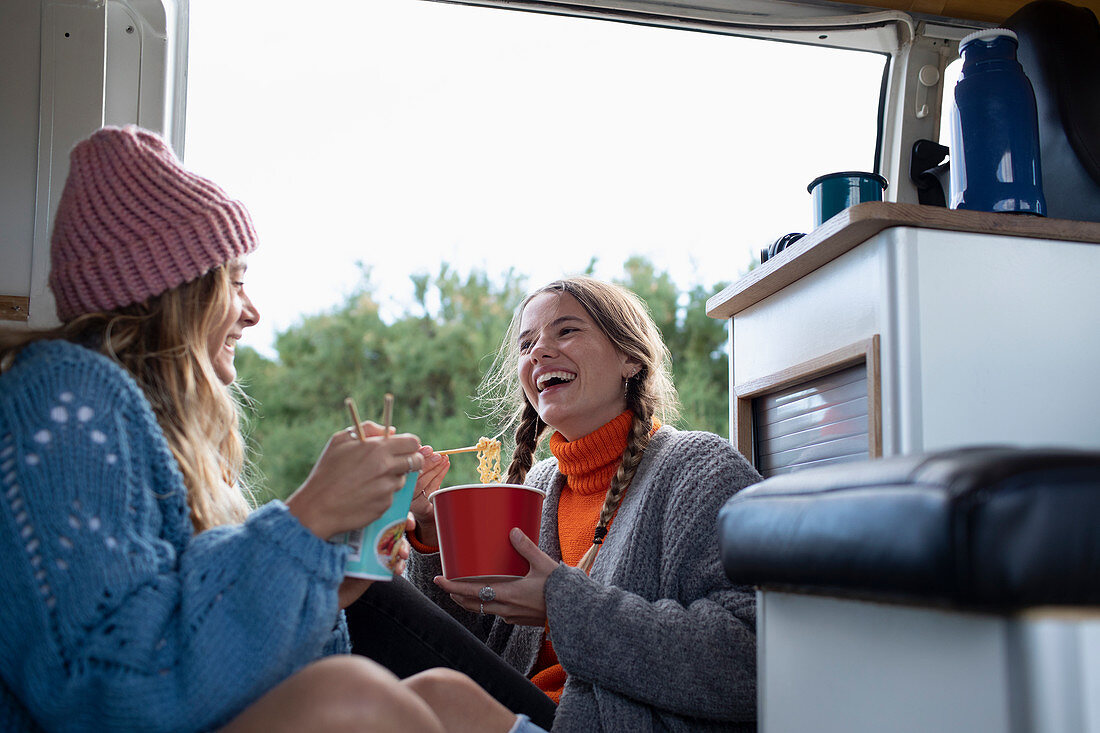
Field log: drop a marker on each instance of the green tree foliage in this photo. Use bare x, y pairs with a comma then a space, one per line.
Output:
432, 358
700, 364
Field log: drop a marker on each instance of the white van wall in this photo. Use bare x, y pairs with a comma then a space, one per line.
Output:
66, 68
20, 49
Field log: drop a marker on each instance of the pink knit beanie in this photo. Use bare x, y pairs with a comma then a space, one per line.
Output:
132, 223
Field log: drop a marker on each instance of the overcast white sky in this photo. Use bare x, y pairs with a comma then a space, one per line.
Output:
406, 133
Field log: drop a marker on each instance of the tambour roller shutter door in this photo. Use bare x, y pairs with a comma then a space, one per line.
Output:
821, 421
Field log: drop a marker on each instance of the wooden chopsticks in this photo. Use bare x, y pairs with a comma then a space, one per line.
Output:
468, 449
387, 417
355, 422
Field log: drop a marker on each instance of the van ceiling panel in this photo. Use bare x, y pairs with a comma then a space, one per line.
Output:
781, 12
828, 24
986, 11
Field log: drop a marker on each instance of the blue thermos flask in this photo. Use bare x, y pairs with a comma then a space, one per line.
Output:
995, 129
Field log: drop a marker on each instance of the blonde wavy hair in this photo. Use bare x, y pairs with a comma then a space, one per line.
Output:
624, 318
163, 344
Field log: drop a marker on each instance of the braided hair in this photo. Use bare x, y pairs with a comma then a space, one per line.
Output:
625, 320
636, 443
529, 431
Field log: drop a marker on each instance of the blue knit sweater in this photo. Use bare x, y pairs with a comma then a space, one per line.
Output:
113, 614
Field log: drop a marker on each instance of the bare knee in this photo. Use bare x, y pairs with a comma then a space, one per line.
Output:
459, 702
356, 689
434, 684
338, 694
335, 680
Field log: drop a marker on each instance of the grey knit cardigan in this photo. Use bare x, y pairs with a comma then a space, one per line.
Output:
657, 638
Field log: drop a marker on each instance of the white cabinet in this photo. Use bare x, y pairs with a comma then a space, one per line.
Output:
843, 665
899, 329
972, 328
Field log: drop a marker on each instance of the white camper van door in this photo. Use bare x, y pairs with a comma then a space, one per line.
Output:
67, 68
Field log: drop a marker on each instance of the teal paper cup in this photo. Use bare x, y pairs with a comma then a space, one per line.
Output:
372, 551
834, 192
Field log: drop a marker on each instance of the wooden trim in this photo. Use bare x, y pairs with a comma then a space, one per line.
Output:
857, 224
874, 398
861, 352
742, 429
14, 308
1063, 614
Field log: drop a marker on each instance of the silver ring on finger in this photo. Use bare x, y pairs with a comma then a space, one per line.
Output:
409, 463
487, 594
351, 432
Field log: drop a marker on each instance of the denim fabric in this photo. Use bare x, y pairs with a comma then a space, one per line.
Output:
523, 724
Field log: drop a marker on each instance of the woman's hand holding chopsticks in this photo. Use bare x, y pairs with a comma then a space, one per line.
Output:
422, 510
353, 482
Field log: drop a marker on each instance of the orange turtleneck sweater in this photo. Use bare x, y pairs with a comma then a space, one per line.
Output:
589, 464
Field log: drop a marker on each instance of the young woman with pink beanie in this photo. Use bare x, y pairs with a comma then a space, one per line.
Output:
139, 591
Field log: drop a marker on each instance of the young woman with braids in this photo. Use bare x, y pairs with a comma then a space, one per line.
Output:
626, 620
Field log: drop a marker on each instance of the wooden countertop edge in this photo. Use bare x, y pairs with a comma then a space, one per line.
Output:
856, 225
14, 307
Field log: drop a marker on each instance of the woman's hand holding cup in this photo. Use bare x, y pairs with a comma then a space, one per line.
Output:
519, 602
353, 482
351, 587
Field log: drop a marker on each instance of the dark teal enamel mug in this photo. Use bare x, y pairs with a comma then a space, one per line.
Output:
834, 192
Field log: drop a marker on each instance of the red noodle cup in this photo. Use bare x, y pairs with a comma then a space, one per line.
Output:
473, 521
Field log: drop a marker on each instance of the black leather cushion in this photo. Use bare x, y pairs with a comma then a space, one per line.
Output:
987, 526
